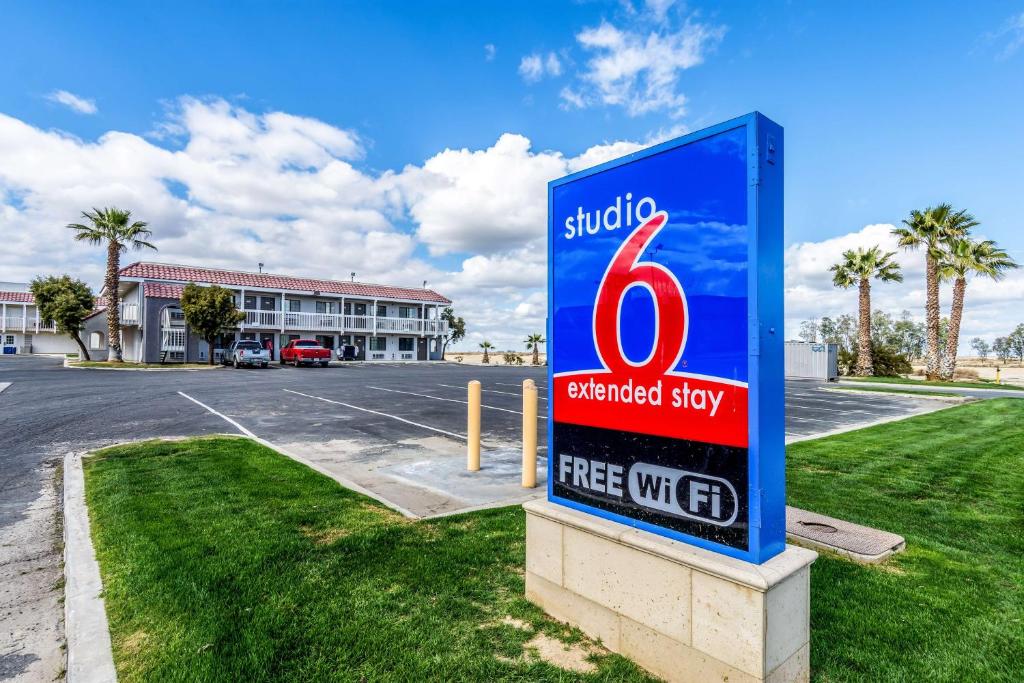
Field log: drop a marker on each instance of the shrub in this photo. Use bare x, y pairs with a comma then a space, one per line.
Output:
512, 358
885, 361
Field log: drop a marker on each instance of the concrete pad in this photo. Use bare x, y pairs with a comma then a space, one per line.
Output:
860, 543
426, 476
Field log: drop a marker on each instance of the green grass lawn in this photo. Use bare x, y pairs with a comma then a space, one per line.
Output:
222, 560
890, 390
981, 384
127, 365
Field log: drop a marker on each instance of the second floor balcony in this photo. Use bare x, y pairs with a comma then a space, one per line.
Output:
341, 323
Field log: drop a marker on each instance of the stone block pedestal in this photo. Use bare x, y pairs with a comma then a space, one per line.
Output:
681, 612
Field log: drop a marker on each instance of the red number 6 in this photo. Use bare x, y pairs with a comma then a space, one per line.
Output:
670, 314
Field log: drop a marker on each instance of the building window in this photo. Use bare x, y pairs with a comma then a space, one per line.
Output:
96, 340
378, 343
346, 340
360, 309
250, 303
294, 306
404, 311
327, 307
326, 340
348, 308
268, 303
9, 340
406, 344
382, 311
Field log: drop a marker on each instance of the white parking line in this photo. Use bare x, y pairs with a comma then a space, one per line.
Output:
540, 387
375, 412
221, 416
4, 385
450, 400
490, 391
344, 481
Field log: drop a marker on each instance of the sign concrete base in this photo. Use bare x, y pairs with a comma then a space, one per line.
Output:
681, 612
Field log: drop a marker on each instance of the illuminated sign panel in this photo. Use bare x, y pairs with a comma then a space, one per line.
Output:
665, 341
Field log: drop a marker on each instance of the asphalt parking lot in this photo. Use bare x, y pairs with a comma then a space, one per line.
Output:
393, 431
399, 421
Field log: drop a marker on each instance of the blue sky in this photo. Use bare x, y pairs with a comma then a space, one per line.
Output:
886, 106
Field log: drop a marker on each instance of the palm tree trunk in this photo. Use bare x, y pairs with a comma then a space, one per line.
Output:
932, 314
953, 335
112, 282
536, 354
864, 364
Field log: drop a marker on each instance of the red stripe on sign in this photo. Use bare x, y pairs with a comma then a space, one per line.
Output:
663, 405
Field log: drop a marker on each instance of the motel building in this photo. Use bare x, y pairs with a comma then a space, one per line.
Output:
21, 330
382, 322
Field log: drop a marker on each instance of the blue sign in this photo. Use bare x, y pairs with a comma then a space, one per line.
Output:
666, 407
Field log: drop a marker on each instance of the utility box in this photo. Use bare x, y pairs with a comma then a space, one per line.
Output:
809, 360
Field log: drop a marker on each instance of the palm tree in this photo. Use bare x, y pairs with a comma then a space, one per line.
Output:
933, 229
967, 256
486, 346
114, 227
858, 268
533, 343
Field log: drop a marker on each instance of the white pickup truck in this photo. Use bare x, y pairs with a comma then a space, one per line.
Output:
246, 352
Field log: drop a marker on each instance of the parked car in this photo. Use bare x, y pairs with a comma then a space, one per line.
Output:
305, 351
348, 352
246, 352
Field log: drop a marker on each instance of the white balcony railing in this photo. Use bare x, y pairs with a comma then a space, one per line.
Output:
337, 322
129, 313
263, 319
172, 340
30, 324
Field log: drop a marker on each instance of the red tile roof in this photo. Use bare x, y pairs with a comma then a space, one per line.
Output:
161, 291
17, 297
234, 278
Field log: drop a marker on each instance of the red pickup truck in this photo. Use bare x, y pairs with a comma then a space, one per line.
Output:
305, 351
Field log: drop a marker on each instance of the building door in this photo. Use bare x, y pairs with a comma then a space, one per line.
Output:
421, 349
360, 343
267, 342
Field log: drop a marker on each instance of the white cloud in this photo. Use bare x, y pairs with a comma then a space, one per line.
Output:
224, 186
534, 67
73, 102
490, 51
1012, 32
639, 69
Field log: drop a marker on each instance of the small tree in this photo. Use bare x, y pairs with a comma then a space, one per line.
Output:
66, 302
456, 329
209, 311
533, 343
981, 347
1015, 340
1001, 348
486, 346
809, 331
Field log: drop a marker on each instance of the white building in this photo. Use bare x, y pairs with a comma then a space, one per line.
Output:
21, 330
383, 322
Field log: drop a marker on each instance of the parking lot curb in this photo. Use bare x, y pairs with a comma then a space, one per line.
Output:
89, 653
72, 366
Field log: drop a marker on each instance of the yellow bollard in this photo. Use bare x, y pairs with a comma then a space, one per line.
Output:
529, 434
473, 428
997, 375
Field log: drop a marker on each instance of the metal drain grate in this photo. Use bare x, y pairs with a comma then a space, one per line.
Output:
860, 543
